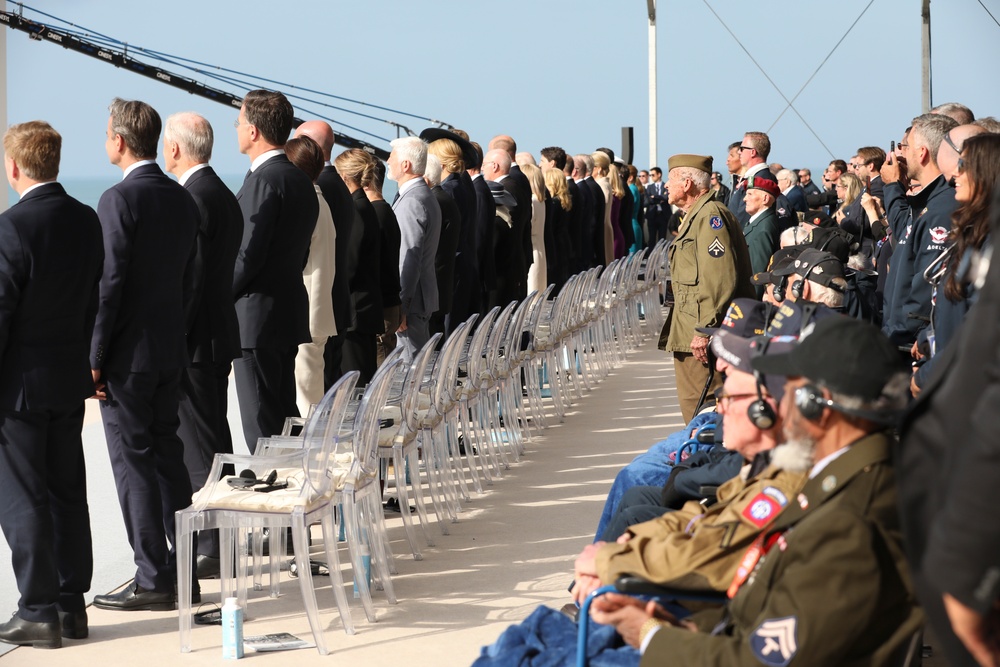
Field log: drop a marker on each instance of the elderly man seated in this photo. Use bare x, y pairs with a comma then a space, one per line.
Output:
825, 581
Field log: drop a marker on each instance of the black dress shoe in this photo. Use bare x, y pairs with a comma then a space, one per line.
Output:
208, 568
195, 592
74, 624
136, 598
31, 633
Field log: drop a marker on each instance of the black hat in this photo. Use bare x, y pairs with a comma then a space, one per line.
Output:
782, 257
844, 354
815, 265
835, 241
745, 317
469, 154
738, 351
797, 318
820, 219
500, 195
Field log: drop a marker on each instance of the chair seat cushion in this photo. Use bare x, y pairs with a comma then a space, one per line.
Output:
221, 496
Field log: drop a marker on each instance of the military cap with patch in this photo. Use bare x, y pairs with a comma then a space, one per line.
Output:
816, 265
745, 317
699, 162
796, 318
782, 257
820, 219
765, 181
834, 240
738, 351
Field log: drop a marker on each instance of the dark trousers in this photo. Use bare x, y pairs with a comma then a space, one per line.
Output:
333, 359
638, 504
360, 353
265, 387
147, 458
204, 429
43, 510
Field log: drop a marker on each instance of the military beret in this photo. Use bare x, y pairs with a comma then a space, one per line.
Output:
766, 182
699, 162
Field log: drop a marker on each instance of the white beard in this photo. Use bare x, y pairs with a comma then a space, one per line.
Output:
795, 455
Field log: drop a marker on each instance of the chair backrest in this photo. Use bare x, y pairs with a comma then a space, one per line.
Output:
321, 435
414, 380
445, 375
495, 346
477, 346
367, 420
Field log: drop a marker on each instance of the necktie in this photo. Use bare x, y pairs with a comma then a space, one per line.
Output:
395, 199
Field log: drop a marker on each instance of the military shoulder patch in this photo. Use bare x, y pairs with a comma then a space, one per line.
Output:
715, 222
777, 495
761, 509
939, 235
716, 249
773, 642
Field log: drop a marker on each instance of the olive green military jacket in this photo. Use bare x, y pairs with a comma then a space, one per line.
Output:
709, 267
833, 590
697, 549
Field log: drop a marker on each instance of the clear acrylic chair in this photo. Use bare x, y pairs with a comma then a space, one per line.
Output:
308, 498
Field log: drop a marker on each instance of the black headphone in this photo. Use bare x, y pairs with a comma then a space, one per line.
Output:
810, 402
778, 291
799, 286
760, 413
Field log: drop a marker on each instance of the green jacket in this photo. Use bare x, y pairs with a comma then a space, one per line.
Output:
834, 589
762, 240
709, 267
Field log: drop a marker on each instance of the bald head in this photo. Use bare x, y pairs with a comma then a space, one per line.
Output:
504, 143
524, 158
320, 132
496, 163
947, 155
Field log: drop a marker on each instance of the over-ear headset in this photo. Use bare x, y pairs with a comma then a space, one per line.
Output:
760, 413
799, 286
778, 291
810, 402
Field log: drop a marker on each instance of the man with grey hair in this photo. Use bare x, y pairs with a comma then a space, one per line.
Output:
419, 217
213, 333
709, 267
907, 297
788, 181
960, 113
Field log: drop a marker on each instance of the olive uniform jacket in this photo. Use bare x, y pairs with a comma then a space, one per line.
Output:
833, 589
709, 267
697, 549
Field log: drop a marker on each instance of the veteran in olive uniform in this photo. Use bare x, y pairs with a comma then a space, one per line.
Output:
709, 267
827, 582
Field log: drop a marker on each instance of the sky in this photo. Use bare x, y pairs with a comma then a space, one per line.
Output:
547, 72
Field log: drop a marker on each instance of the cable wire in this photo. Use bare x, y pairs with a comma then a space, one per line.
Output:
990, 13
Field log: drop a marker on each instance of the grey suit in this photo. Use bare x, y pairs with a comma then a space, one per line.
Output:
419, 217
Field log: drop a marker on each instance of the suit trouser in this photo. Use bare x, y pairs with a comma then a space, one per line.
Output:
204, 429
43, 510
415, 336
386, 342
310, 370
333, 359
265, 387
360, 354
140, 422
691, 376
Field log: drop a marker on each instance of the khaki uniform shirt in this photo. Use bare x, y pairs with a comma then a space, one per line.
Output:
709, 267
833, 589
698, 549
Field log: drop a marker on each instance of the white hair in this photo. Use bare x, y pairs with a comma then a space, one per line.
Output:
788, 175
698, 177
414, 151
432, 172
193, 133
794, 235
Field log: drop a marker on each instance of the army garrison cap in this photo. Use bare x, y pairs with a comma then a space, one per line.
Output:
699, 162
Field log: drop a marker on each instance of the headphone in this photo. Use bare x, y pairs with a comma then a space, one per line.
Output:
760, 413
778, 291
799, 286
810, 402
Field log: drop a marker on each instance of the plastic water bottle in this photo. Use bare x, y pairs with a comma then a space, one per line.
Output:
232, 630
366, 560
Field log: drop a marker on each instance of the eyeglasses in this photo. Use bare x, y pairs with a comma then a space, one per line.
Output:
902, 145
237, 123
721, 398
747, 148
947, 140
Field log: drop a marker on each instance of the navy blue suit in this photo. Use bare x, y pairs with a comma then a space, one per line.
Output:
345, 221
280, 209
50, 266
213, 334
465, 299
363, 270
486, 213
149, 224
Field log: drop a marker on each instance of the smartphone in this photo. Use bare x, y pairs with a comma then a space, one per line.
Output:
892, 147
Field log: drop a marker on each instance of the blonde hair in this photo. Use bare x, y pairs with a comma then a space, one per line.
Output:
449, 153
601, 161
36, 148
852, 190
617, 189
357, 166
555, 181
535, 178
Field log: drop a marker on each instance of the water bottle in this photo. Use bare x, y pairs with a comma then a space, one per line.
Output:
366, 560
232, 630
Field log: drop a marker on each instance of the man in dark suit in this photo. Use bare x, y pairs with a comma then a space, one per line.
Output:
597, 231
213, 333
788, 182
445, 264
279, 213
575, 222
50, 267
584, 234
419, 218
658, 212
486, 210
389, 240
508, 251
517, 184
347, 224
138, 348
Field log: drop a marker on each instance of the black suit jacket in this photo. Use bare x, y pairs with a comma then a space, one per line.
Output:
338, 197
279, 214
448, 244
596, 255
213, 330
149, 223
522, 214
574, 220
486, 212
364, 267
389, 243
51, 256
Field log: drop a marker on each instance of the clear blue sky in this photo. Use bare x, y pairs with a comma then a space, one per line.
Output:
548, 72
